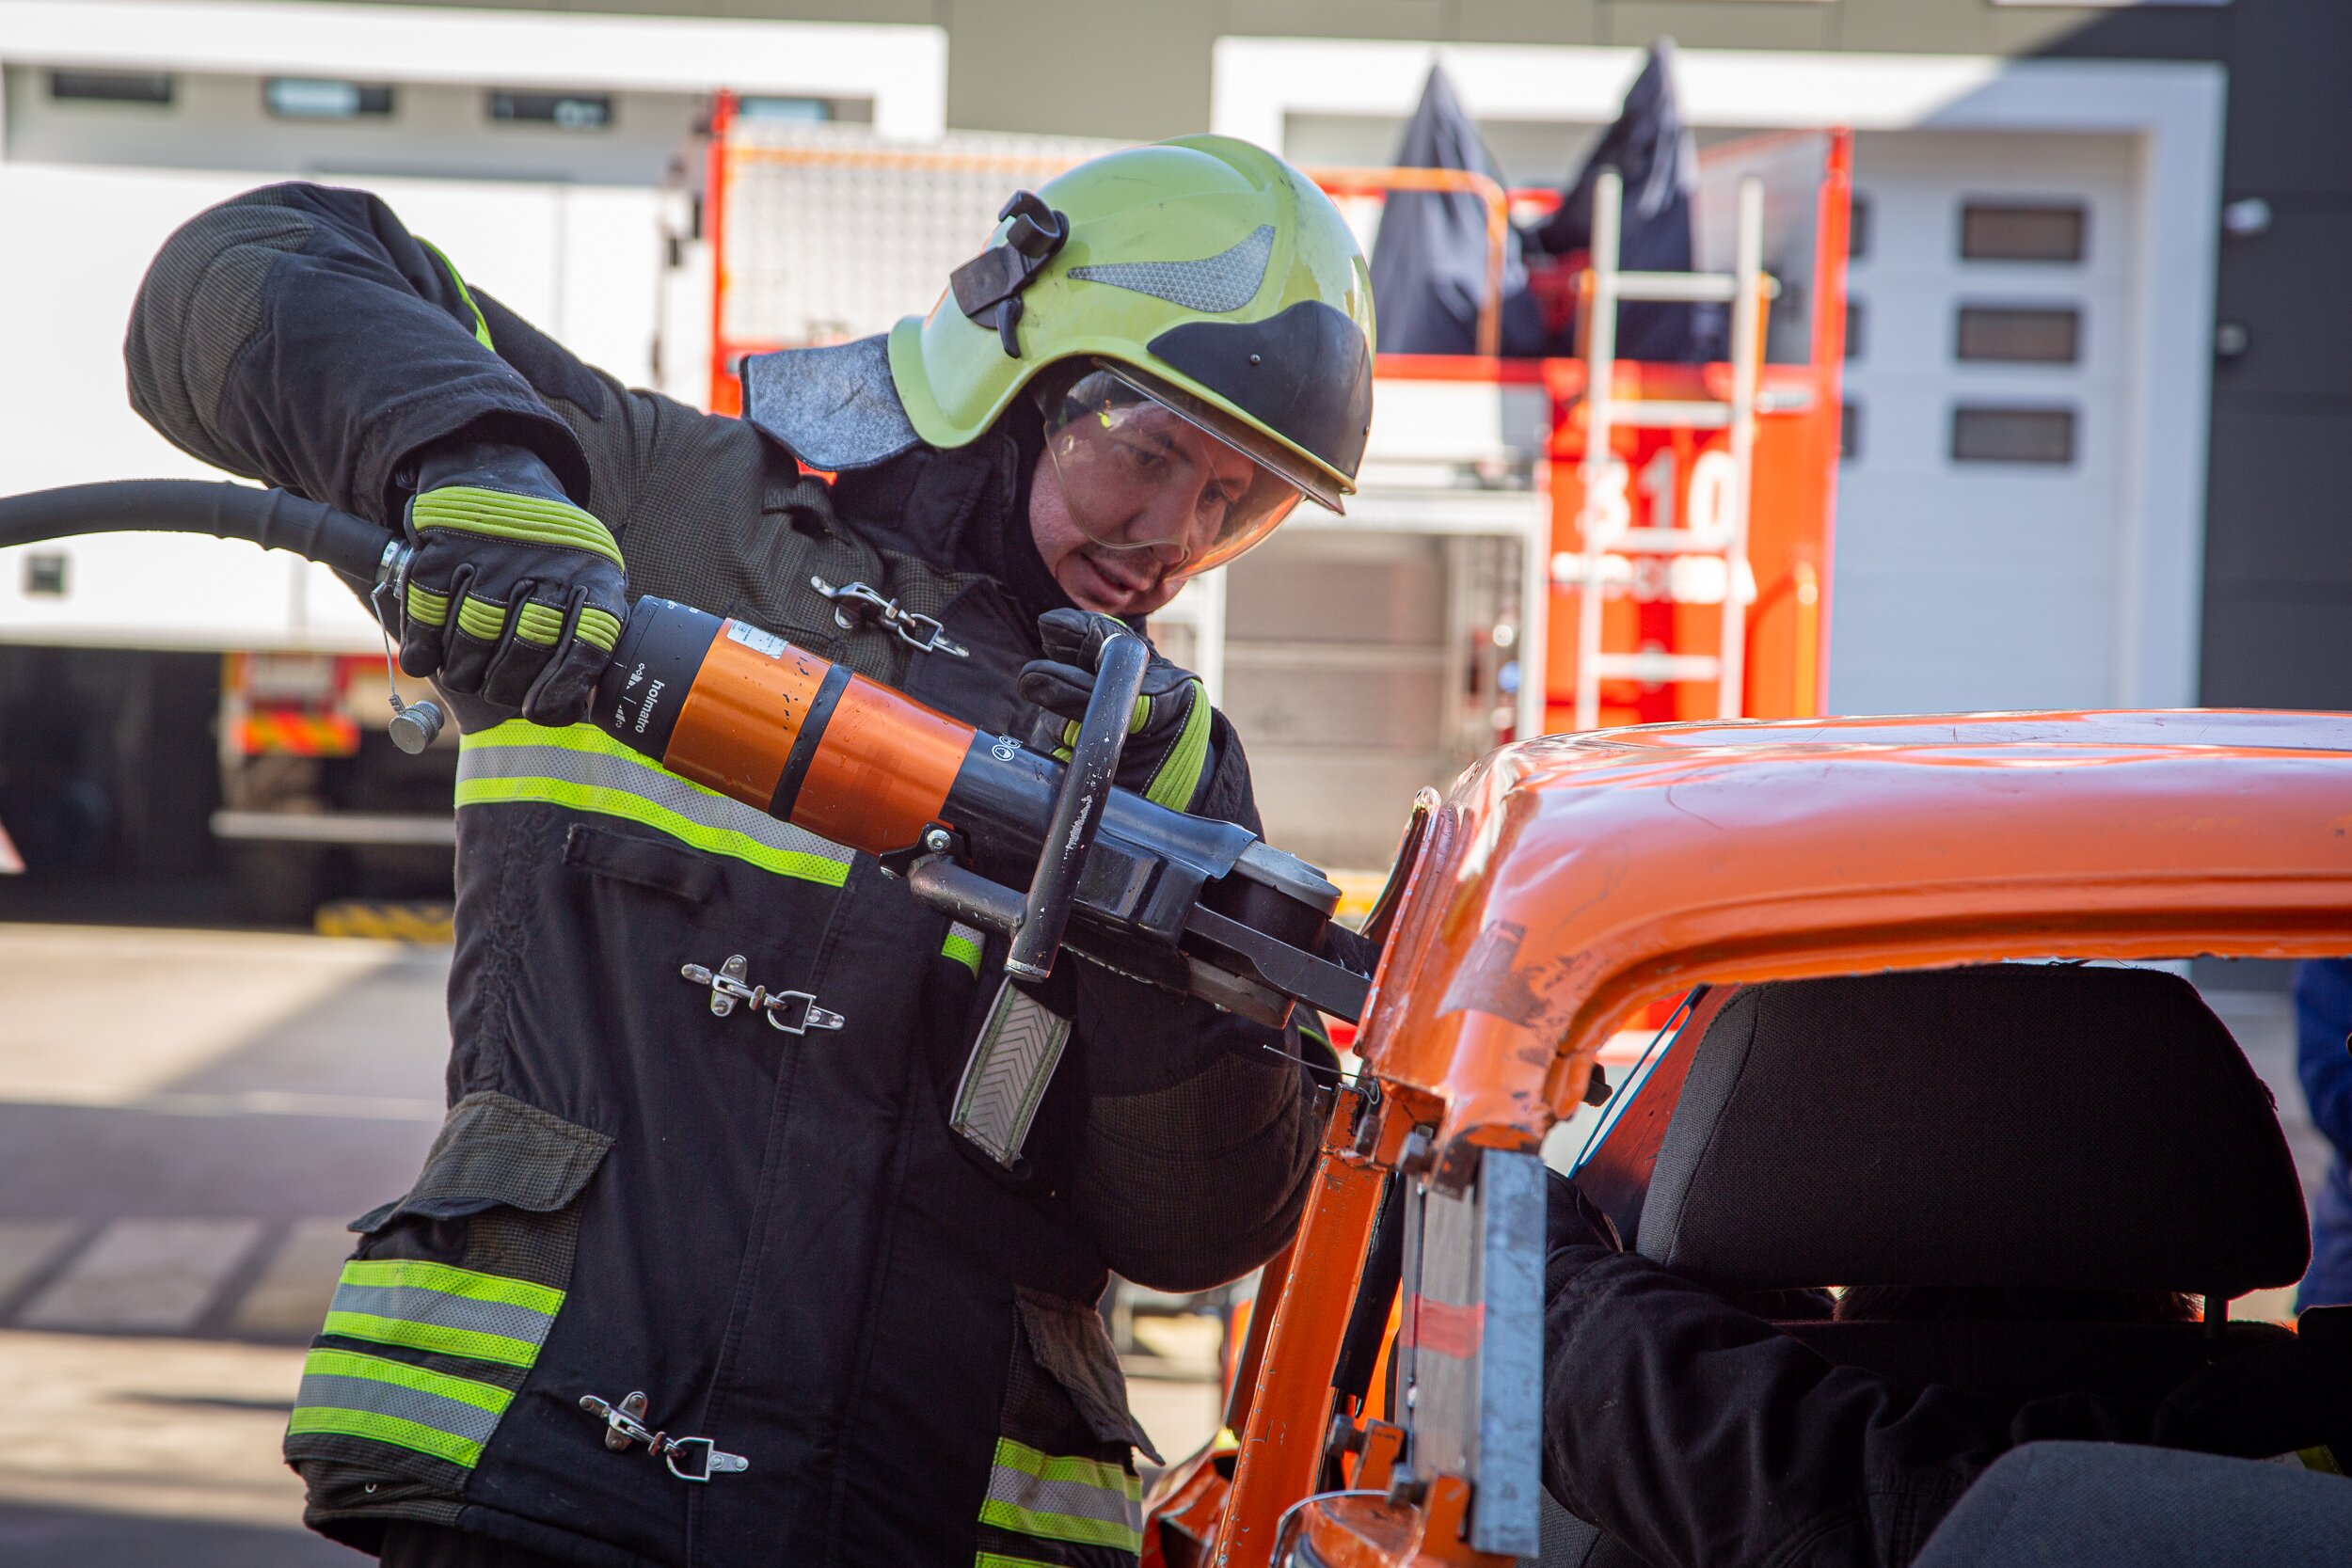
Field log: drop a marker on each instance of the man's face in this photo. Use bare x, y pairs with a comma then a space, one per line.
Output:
1154, 492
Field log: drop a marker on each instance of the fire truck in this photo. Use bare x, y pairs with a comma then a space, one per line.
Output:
1537, 545
263, 665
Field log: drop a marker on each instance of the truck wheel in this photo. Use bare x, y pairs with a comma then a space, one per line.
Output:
280, 884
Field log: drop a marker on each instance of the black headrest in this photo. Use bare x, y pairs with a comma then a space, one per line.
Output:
2029, 1126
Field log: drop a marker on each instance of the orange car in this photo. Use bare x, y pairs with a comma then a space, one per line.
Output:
1387, 1402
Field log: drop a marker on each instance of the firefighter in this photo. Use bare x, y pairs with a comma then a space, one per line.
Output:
1693, 1434
2323, 1021
809, 1277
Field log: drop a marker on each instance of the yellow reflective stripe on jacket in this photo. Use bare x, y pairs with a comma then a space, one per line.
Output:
354, 1395
583, 769
481, 327
964, 945
1057, 1498
436, 1306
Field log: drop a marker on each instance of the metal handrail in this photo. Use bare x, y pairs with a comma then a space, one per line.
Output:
1345, 182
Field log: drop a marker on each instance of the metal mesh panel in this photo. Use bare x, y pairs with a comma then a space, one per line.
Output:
831, 232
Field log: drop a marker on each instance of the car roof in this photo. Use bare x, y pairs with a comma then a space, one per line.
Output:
1570, 878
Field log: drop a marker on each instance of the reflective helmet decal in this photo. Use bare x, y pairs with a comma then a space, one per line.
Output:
1220, 284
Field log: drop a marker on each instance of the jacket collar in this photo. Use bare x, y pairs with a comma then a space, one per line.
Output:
834, 407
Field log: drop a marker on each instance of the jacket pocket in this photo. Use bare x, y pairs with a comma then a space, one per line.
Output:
642, 861
436, 1323
1062, 1486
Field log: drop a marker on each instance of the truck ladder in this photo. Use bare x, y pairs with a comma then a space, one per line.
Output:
1603, 529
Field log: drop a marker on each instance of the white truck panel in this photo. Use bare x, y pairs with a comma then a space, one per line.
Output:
583, 263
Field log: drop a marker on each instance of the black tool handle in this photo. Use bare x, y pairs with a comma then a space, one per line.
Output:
1086, 789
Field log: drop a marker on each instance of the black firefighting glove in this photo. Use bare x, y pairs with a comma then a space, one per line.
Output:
515, 595
1167, 758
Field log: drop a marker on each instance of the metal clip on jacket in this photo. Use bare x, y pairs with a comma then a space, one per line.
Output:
625, 1424
728, 986
857, 601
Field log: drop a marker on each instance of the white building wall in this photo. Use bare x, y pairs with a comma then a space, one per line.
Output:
1952, 587
564, 228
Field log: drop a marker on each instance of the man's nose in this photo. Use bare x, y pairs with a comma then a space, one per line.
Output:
1169, 553
1169, 519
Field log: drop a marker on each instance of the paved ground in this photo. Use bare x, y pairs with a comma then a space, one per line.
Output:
187, 1119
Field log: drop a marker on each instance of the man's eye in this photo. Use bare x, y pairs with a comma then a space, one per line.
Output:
1144, 460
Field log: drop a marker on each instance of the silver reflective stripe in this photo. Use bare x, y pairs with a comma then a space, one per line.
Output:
1069, 1499
455, 1417
412, 1304
583, 769
1006, 1076
965, 945
352, 1394
1219, 284
1063, 1498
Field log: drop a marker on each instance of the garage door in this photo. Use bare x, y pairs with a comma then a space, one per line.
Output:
1983, 506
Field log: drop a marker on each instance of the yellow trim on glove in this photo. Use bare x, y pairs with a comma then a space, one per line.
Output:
526, 519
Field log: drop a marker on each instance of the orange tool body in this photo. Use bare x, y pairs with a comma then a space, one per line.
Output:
1190, 904
778, 728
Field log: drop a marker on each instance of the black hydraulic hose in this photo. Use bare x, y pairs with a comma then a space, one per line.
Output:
270, 518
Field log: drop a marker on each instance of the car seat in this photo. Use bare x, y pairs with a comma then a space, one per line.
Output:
2116, 1505
2025, 1126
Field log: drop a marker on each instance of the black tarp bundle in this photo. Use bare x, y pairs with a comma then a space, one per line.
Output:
1429, 263
1655, 154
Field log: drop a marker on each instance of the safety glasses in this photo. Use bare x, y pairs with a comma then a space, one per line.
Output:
1144, 466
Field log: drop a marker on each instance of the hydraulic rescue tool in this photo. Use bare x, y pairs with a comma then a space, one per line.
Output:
1198, 907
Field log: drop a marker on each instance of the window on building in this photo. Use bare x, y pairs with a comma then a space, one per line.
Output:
312, 98
802, 111
1854, 317
2016, 335
564, 111
44, 575
1849, 431
112, 86
1983, 433
1859, 227
2052, 232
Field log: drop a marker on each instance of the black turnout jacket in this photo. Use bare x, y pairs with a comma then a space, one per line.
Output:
1697, 1435
774, 1239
